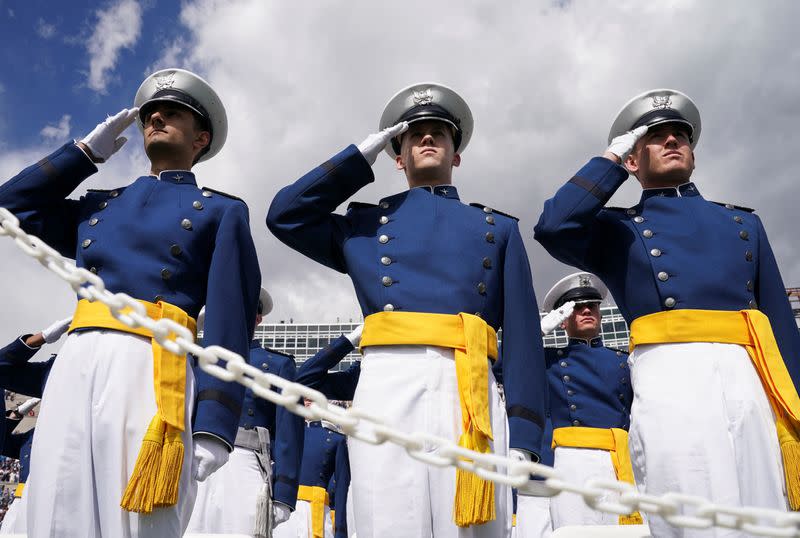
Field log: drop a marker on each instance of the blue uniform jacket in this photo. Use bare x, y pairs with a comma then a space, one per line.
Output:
341, 482
334, 385
285, 428
589, 385
423, 250
155, 239
674, 249
319, 455
18, 446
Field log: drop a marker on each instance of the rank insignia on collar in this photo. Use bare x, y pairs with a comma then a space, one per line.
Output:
662, 101
165, 82
423, 97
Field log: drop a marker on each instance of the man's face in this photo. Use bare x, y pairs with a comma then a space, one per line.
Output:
663, 157
584, 322
172, 129
427, 152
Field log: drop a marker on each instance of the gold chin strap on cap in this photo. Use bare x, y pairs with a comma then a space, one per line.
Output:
156, 475
318, 498
612, 440
473, 342
752, 330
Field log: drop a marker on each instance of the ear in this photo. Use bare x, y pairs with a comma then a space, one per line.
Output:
399, 163
202, 140
632, 163
456, 159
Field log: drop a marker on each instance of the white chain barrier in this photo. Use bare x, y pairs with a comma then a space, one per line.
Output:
676, 508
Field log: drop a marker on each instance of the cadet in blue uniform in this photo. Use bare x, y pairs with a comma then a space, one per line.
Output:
175, 247
589, 402
430, 273
312, 512
29, 378
699, 286
265, 462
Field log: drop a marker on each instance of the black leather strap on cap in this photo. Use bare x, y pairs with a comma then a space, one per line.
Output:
583, 294
429, 112
666, 115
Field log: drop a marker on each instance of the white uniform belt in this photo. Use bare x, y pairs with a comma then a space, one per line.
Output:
253, 439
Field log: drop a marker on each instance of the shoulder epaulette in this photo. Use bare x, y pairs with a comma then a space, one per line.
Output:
359, 205
99, 190
484, 206
225, 194
739, 207
281, 353
616, 208
625, 351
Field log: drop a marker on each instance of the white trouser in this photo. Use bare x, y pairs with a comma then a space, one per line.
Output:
414, 388
533, 517
96, 407
299, 523
701, 424
14, 520
226, 500
578, 465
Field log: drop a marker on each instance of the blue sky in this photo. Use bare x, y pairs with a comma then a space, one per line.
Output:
48, 67
301, 80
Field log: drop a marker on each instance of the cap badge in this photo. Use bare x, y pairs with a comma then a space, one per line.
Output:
662, 101
165, 82
585, 281
423, 97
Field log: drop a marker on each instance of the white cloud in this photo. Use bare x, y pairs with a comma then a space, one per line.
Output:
117, 27
59, 132
44, 29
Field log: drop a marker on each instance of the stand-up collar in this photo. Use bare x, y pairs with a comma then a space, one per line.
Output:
594, 342
686, 189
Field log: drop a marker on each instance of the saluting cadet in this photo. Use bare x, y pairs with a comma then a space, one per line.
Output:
311, 516
715, 348
27, 378
269, 437
589, 403
435, 279
117, 405
314, 372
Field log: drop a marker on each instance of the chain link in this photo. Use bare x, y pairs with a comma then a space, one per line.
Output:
676, 508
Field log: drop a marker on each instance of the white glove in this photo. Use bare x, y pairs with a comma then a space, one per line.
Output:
374, 143
555, 318
209, 455
56, 330
27, 405
105, 140
280, 513
622, 145
355, 336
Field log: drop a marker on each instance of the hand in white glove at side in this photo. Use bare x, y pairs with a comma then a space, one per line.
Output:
105, 140
56, 330
355, 336
280, 513
622, 145
555, 318
371, 147
209, 455
27, 405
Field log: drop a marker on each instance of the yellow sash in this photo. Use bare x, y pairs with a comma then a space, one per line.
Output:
473, 341
156, 475
318, 498
18, 491
613, 440
751, 329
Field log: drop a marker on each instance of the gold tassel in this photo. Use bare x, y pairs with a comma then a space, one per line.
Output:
474, 500
169, 472
139, 495
631, 519
790, 452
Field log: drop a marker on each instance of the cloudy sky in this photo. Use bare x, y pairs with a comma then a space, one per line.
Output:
302, 80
